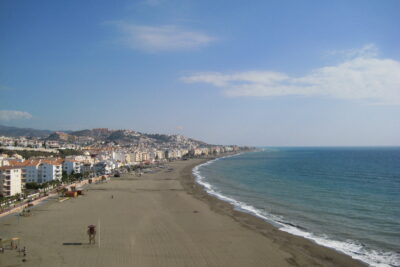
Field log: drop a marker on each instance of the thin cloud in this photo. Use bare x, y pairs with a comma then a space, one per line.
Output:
363, 77
9, 115
161, 38
368, 50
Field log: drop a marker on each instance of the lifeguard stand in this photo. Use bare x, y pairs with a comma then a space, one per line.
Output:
92, 233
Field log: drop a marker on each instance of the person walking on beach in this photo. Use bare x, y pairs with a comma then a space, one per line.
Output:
91, 233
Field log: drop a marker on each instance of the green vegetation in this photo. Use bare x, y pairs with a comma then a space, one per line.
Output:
69, 152
27, 154
5, 200
33, 185
36, 186
73, 177
12, 198
159, 137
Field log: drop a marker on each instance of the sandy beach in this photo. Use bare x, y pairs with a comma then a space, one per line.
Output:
158, 219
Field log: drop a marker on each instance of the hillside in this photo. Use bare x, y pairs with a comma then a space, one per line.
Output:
120, 137
25, 132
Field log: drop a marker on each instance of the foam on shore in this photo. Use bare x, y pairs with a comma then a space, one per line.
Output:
352, 248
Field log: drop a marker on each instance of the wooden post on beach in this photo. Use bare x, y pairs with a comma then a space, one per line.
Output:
99, 233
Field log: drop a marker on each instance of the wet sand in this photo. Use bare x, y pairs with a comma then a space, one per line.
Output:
158, 219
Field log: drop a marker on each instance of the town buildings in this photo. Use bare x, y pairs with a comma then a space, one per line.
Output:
98, 152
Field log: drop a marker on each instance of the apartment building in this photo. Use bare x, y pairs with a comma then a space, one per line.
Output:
41, 170
72, 166
50, 170
11, 181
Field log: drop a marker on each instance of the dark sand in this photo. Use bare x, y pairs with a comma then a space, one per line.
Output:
159, 219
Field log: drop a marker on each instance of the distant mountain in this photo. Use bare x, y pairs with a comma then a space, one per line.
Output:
26, 132
61, 136
96, 133
124, 137
121, 137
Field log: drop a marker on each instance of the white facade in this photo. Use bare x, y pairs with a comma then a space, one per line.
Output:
104, 167
72, 166
49, 172
11, 181
40, 171
81, 158
52, 144
87, 168
3, 162
31, 172
118, 156
135, 157
173, 154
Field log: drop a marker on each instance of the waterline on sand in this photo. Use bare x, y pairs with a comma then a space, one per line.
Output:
355, 249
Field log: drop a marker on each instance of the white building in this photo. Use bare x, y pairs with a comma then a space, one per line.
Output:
4, 160
11, 181
72, 166
173, 154
31, 170
118, 156
40, 171
87, 168
49, 171
81, 158
52, 144
135, 157
103, 167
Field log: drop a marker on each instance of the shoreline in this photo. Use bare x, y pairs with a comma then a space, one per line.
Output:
308, 247
158, 219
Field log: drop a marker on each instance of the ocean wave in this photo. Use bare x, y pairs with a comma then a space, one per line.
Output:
352, 248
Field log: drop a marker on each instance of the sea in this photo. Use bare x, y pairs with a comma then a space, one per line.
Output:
345, 198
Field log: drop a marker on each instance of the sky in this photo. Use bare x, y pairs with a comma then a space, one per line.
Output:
260, 73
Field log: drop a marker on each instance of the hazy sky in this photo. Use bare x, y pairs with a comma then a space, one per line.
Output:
226, 72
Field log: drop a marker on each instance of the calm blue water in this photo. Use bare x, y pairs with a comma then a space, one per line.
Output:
344, 198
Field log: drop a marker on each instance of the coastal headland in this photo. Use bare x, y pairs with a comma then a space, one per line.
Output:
157, 219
